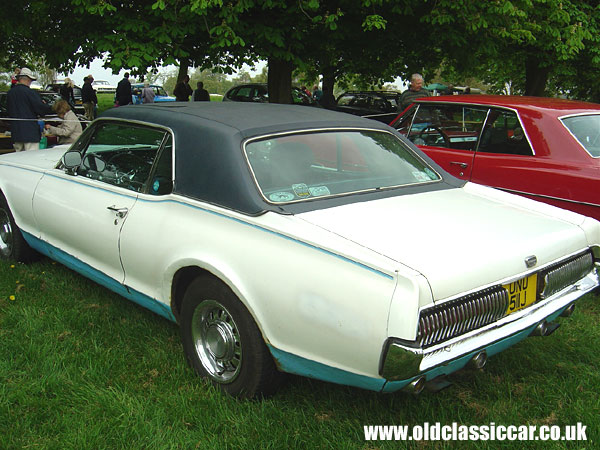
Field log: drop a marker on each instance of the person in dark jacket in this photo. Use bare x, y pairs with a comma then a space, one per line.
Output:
201, 94
183, 90
414, 91
25, 106
123, 94
88, 97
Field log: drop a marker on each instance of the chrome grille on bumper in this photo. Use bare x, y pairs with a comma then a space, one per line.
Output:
459, 316
557, 277
453, 318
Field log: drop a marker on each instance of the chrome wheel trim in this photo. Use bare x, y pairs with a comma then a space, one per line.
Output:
6, 234
217, 341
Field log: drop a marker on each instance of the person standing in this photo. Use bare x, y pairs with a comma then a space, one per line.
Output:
66, 92
201, 94
70, 128
317, 93
88, 97
183, 90
123, 94
148, 93
414, 91
25, 106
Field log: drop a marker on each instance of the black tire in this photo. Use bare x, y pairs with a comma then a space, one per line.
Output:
12, 245
222, 342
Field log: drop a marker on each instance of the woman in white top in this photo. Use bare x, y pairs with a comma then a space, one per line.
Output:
70, 128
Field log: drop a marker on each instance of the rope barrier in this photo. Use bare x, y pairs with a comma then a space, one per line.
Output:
44, 119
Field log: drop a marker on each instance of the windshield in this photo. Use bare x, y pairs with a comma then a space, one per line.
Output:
305, 166
586, 130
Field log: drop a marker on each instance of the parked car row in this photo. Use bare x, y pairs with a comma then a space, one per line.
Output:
542, 148
160, 95
383, 106
258, 93
283, 239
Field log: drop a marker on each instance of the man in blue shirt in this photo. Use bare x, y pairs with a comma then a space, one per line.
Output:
25, 106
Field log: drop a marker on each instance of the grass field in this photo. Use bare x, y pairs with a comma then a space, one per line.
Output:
82, 368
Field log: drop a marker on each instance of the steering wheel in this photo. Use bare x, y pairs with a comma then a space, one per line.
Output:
438, 130
129, 169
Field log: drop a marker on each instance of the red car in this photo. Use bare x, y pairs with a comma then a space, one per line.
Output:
543, 148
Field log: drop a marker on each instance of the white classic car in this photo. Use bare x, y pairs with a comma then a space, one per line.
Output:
287, 239
103, 87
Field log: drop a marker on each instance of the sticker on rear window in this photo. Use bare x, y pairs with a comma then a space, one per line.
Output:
301, 190
319, 191
281, 197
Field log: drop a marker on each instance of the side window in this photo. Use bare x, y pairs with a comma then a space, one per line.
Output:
346, 100
447, 125
242, 94
503, 133
121, 154
161, 179
404, 123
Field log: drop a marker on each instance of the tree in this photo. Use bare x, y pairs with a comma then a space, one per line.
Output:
520, 41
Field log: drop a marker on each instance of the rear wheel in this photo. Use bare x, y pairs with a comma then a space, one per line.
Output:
222, 342
12, 245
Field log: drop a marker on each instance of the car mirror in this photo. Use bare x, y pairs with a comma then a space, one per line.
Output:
94, 162
71, 160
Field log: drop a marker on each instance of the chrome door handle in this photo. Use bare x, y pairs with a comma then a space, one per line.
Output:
460, 163
121, 212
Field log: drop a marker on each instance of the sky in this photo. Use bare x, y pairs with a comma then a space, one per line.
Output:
100, 73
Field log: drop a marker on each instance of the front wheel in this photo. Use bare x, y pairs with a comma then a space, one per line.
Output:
12, 245
222, 342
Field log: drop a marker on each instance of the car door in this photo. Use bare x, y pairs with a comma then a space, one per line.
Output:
448, 133
506, 159
81, 215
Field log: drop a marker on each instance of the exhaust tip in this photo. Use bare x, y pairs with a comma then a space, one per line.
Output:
568, 310
479, 360
545, 329
416, 386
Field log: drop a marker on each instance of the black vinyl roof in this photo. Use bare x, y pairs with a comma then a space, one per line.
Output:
208, 138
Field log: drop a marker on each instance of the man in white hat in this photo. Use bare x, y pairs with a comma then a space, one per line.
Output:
25, 106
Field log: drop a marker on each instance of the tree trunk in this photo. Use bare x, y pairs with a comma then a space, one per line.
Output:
536, 77
328, 98
279, 81
184, 64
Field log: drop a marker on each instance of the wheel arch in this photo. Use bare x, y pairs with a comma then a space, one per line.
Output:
184, 276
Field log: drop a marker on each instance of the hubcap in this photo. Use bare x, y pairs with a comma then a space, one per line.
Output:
217, 341
6, 236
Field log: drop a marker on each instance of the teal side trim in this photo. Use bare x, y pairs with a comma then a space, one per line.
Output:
95, 275
291, 363
457, 364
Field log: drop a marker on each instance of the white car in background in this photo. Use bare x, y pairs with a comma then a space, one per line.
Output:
103, 87
302, 240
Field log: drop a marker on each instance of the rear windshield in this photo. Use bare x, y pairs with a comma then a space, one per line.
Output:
306, 166
586, 130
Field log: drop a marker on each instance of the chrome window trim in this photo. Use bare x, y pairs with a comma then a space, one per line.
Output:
326, 130
147, 124
489, 107
560, 119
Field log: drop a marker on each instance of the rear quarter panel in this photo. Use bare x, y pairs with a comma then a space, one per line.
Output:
308, 299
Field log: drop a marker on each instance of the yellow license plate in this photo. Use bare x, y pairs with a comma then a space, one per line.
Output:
521, 293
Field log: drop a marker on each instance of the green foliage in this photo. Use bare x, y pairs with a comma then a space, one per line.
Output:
82, 368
